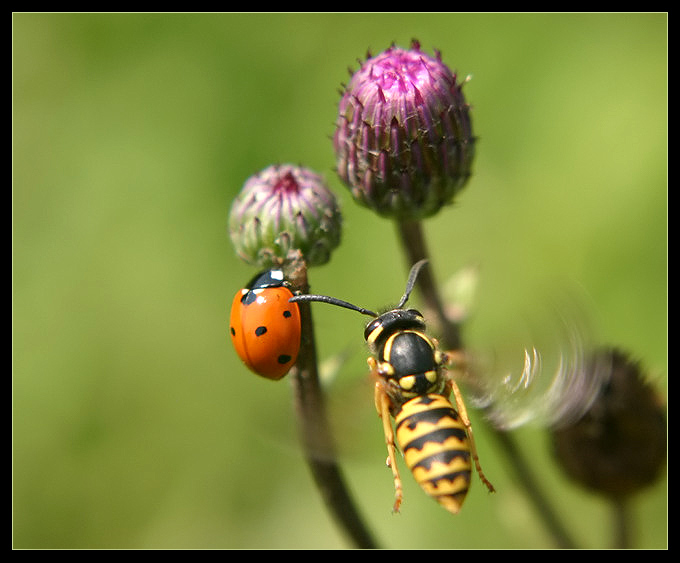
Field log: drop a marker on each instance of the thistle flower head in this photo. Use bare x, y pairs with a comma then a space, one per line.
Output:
619, 446
283, 209
403, 138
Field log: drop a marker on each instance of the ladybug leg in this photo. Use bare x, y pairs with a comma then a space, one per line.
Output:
382, 405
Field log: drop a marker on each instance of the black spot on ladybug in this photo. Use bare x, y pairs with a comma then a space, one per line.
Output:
287, 314
233, 332
284, 359
260, 330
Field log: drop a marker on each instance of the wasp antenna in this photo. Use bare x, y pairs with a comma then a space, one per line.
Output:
413, 275
331, 301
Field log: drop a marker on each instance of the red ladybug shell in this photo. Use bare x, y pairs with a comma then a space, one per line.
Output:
265, 327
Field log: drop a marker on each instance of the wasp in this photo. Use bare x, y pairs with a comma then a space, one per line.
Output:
413, 385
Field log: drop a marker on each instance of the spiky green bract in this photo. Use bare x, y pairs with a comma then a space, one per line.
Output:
281, 209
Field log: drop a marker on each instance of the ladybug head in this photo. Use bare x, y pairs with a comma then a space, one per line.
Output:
263, 280
268, 278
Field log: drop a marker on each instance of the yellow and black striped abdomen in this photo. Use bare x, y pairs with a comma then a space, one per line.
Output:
436, 448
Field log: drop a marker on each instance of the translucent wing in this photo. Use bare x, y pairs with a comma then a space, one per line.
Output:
536, 367
552, 386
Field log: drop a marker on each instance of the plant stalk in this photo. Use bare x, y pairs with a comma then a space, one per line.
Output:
415, 248
315, 434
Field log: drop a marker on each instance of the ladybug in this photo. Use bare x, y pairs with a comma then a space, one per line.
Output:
264, 326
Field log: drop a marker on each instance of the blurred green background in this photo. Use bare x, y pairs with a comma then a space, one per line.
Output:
135, 425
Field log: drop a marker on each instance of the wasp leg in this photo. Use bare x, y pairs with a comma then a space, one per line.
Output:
462, 411
382, 405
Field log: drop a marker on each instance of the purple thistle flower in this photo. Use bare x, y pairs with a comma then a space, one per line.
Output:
282, 209
403, 138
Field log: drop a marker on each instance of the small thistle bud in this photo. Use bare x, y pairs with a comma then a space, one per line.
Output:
619, 446
283, 209
403, 138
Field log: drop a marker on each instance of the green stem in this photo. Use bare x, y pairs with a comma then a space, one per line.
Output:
622, 524
528, 481
315, 432
415, 247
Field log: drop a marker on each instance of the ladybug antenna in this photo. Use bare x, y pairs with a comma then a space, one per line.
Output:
413, 275
331, 301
